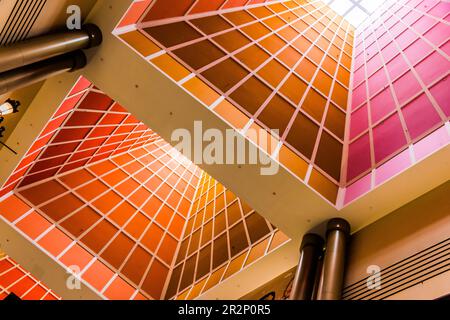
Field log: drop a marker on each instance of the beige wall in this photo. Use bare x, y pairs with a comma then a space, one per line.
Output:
405, 234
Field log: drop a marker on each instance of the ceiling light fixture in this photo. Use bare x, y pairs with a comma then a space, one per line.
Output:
9, 106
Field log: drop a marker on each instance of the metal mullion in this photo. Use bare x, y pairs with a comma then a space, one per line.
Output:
327, 105
392, 91
298, 107
55, 133
141, 25
274, 90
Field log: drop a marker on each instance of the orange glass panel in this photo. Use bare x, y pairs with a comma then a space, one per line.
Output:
251, 94
202, 91
137, 225
293, 162
171, 67
314, 105
189, 54
140, 42
12, 208
98, 275
253, 56
155, 280
152, 237
273, 72
294, 88
33, 225
55, 242
324, 186
231, 114
118, 250
167, 249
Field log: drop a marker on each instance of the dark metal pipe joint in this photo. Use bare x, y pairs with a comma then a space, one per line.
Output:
39, 58
332, 277
311, 249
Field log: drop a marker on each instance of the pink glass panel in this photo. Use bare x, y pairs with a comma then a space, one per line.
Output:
392, 167
440, 10
390, 51
432, 68
359, 95
377, 81
374, 64
431, 143
405, 39
357, 189
358, 157
423, 24
381, 105
397, 67
359, 122
438, 34
417, 51
358, 76
388, 137
446, 46
441, 93
406, 87
420, 116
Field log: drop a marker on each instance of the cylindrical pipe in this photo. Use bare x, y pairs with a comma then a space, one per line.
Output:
42, 48
310, 251
36, 72
317, 278
332, 277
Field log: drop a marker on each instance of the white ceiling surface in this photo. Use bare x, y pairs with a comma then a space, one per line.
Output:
355, 11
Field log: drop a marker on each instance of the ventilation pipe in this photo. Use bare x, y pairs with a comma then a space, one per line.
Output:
45, 47
310, 251
22, 77
332, 277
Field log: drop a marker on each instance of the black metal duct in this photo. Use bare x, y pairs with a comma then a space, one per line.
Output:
42, 48
22, 77
310, 251
332, 277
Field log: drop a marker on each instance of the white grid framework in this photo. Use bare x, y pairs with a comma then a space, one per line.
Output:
355, 11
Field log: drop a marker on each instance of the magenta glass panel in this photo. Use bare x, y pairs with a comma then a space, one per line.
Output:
392, 167
441, 10
389, 51
417, 51
377, 81
384, 39
374, 64
388, 138
358, 157
405, 39
406, 87
359, 122
357, 189
441, 93
438, 34
446, 47
431, 143
397, 67
420, 116
358, 76
381, 105
423, 24
432, 68
359, 95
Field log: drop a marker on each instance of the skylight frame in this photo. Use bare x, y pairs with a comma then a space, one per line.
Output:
356, 5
